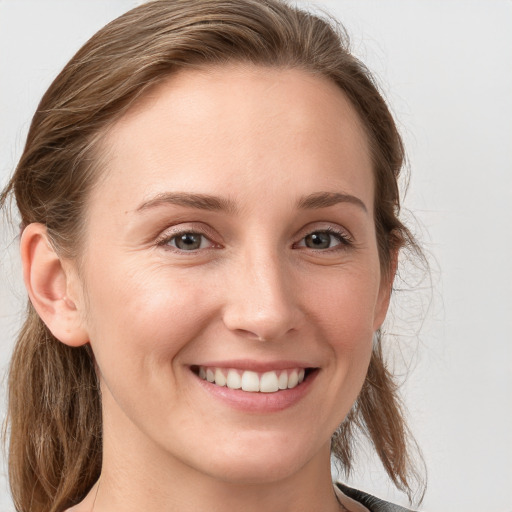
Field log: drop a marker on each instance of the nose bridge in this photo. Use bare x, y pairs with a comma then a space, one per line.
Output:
261, 303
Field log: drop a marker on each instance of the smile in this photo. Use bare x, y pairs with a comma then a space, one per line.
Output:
246, 380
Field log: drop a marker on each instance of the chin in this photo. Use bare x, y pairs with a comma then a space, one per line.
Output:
260, 461
257, 471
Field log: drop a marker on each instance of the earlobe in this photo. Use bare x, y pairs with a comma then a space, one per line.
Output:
48, 286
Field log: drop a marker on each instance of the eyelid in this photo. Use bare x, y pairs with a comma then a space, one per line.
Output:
345, 237
183, 228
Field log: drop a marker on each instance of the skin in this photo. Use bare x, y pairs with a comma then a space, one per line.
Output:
260, 139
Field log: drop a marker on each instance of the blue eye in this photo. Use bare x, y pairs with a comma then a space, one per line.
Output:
325, 239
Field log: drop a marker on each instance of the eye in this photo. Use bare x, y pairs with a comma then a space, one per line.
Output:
324, 239
187, 241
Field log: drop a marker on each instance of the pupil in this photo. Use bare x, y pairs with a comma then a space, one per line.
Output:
318, 240
188, 241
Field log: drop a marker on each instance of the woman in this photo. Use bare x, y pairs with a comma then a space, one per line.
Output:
209, 204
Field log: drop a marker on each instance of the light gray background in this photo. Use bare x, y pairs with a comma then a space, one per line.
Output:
446, 68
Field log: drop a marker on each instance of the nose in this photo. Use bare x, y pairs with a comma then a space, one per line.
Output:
260, 298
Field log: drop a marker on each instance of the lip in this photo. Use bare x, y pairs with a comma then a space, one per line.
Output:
257, 366
259, 403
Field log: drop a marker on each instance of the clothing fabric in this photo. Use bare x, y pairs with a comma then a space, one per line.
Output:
372, 503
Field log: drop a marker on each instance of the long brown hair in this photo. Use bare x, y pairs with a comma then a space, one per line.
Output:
54, 413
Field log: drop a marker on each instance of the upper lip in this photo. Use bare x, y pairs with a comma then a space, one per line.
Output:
256, 366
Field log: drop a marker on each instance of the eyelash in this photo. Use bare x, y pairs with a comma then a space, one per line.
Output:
342, 237
164, 240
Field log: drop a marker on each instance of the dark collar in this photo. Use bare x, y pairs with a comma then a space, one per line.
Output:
372, 503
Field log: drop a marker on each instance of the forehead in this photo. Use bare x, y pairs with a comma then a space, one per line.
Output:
237, 130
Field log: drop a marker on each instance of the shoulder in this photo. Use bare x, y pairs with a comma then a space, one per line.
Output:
372, 503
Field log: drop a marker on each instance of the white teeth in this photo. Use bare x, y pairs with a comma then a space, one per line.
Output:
250, 381
283, 380
268, 382
220, 379
293, 379
234, 381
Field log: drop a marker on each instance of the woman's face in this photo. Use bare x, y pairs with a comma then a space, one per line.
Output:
232, 238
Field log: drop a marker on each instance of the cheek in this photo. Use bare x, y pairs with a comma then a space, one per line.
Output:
142, 317
345, 312
345, 306
140, 323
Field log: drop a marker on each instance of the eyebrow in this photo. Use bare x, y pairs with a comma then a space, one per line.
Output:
199, 201
208, 202
325, 199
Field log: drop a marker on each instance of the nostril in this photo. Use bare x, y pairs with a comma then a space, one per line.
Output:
251, 335
262, 320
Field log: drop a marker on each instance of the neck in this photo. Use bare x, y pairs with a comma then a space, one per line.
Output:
136, 476
138, 486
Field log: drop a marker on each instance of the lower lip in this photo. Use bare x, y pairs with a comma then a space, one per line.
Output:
259, 402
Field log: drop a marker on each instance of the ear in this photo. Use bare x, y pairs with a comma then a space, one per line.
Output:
386, 286
51, 286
